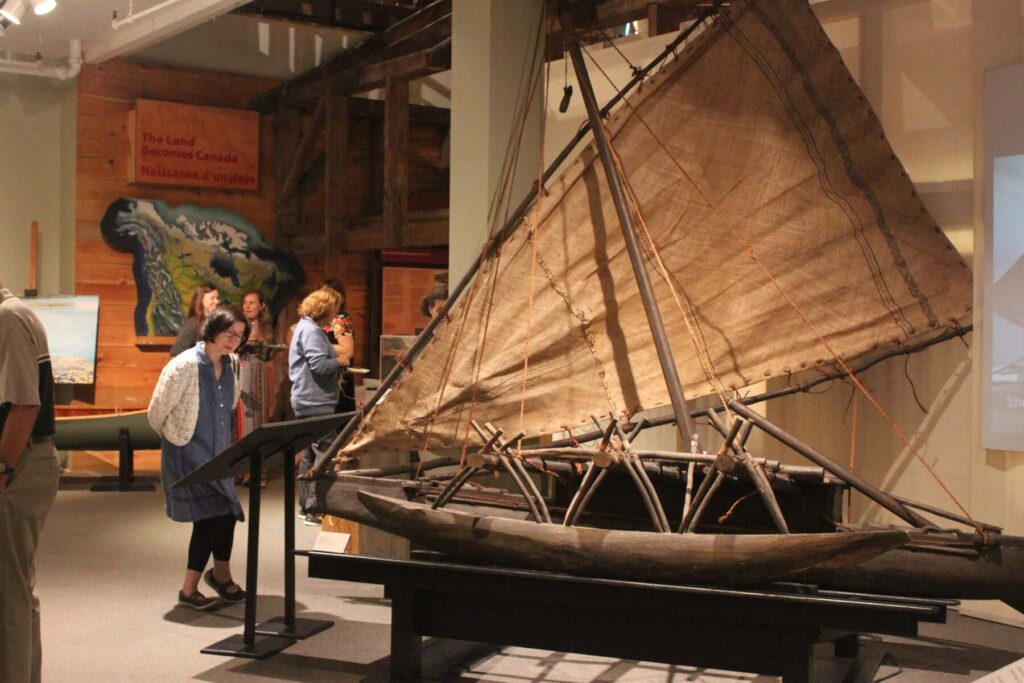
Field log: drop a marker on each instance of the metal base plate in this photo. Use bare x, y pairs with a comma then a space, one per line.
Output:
261, 648
104, 484
304, 628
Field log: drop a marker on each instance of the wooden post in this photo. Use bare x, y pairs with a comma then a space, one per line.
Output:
299, 159
396, 160
31, 288
336, 126
287, 206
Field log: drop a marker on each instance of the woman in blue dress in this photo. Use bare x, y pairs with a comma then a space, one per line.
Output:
192, 409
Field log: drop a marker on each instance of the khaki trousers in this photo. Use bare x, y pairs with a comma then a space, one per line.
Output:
24, 505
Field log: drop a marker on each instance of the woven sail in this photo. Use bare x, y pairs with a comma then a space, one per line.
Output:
756, 135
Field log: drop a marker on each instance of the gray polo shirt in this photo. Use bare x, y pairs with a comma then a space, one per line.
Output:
26, 376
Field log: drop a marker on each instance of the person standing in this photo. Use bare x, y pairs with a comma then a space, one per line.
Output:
314, 367
341, 333
255, 358
204, 299
29, 473
192, 409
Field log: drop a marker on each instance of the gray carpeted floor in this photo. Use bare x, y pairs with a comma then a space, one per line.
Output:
110, 566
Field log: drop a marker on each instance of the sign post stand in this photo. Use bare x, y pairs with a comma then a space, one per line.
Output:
254, 452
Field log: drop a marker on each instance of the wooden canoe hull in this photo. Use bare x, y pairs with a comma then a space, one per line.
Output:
101, 432
634, 555
993, 572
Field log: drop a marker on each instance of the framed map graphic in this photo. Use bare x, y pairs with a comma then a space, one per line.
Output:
178, 248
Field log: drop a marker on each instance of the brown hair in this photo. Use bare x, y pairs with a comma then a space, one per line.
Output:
221, 319
195, 308
318, 304
264, 317
335, 284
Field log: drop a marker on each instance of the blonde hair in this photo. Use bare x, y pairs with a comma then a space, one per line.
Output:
318, 304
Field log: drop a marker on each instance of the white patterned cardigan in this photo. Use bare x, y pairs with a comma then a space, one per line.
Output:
174, 407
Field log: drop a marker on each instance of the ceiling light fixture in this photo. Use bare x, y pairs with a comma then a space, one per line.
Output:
41, 7
13, 11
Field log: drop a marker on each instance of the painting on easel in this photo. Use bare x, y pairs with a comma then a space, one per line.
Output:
70, 323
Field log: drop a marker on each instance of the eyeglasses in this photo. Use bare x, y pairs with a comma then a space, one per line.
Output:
233, 335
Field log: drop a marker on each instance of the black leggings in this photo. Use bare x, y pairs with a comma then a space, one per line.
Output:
215, 535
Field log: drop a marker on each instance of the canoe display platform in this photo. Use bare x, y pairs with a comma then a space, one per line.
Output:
767, 631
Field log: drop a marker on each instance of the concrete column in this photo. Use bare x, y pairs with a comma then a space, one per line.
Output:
493, 45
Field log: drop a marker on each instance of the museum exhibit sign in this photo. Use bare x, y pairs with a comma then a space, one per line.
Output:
71, 323
186, 144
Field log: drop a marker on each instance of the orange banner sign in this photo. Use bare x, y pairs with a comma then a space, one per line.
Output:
184, 144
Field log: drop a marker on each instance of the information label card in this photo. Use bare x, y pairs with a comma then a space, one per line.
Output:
184, 144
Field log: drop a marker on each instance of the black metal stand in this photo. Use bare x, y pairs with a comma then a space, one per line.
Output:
258, 450
125, 479
250, 644
769, 631
288, 625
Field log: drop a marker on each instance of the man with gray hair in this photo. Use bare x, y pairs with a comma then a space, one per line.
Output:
29, 472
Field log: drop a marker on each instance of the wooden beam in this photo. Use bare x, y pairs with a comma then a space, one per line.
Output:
336, 127
418, 113
614, 12
297, 164
396, 158
368, 50
426, 62
351, 15
662, 19
422, 229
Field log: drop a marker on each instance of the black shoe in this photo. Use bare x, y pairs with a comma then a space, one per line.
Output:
224, 590
312, 519
196, 601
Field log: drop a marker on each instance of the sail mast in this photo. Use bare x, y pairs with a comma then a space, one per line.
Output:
643, 279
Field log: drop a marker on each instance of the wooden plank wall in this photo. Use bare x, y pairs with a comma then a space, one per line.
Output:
126, 374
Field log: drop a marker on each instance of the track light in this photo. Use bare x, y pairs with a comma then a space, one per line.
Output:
41, 7
13, 11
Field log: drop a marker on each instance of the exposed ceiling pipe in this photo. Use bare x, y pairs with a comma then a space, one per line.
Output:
135, 16
34, 67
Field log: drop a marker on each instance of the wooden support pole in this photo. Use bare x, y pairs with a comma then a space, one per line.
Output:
336, 126
286, 209
396, 160
764, 488
646, 486
872, 492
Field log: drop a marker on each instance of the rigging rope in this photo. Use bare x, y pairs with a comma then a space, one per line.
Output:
533, 261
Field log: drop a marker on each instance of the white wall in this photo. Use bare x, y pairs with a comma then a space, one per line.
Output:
491, 59
922, 66
37, 166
